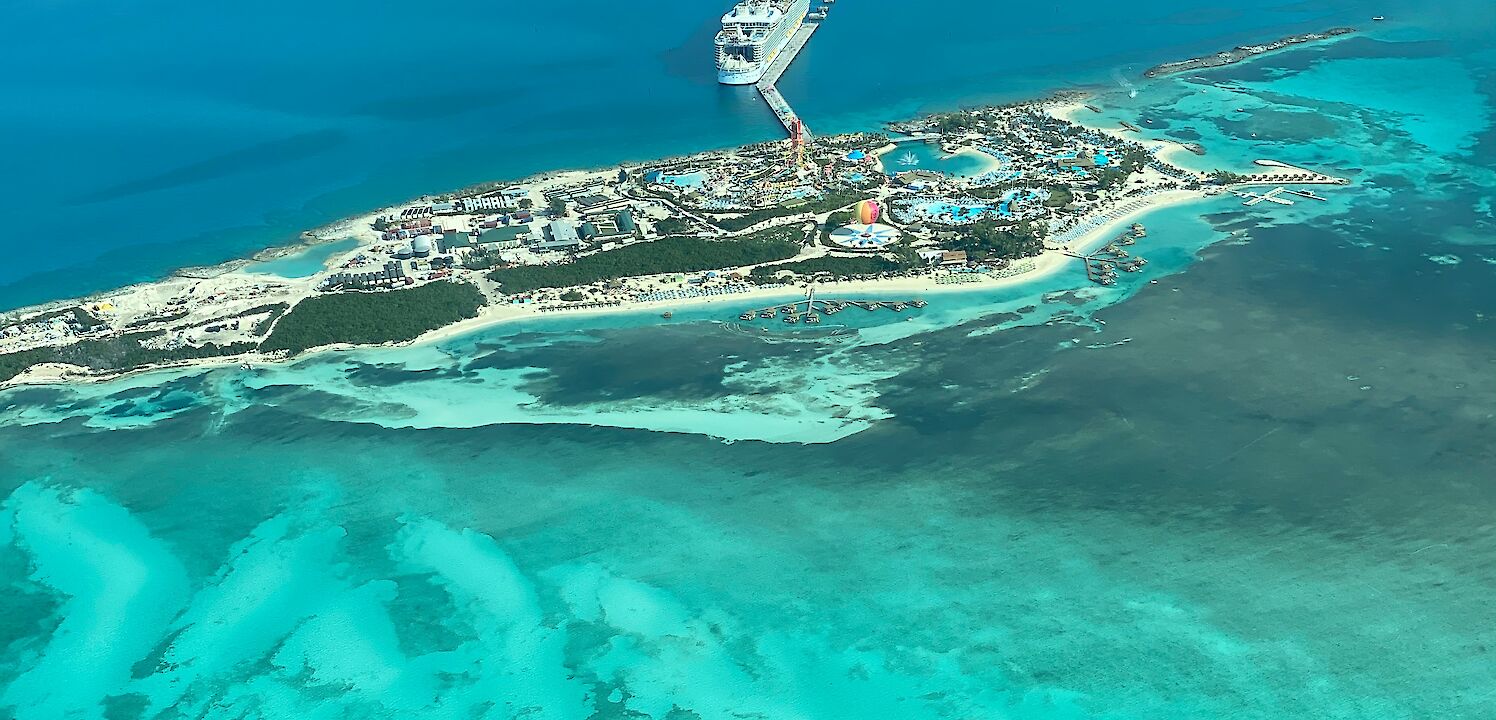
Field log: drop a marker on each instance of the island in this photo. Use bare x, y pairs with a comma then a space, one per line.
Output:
1242, 52
973, 199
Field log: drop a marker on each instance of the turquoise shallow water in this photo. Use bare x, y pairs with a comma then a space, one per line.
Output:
302, 264
924, 156
1259, 488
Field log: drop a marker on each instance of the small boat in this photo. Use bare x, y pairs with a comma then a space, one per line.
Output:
1378, 18
746, 316
918, 303
791, 319
245, 366
667, 314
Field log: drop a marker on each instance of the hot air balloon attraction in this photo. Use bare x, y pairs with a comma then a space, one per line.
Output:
865, 233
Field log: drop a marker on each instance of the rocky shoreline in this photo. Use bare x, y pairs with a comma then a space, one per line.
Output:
1242, 52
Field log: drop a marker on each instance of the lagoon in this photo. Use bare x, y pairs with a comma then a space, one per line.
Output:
302, 262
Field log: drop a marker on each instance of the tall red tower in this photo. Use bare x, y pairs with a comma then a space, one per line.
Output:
797, 143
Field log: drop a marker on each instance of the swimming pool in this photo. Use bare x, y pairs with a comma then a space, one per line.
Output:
695, 179
946, 211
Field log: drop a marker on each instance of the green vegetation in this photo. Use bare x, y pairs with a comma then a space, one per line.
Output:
834, 221
987, 239
557, 206
837, 266
1108, 178
1226, 177
113, 354
667, 255
992, 192
954, 122
573, 296
1059, 196
372, 318
172, 317
13, 364
73, 316
480, 258
1133, 159
276, 311
274, 308
826, 203
672, 226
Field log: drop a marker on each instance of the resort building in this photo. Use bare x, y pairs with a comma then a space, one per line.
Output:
560, 235
487, 203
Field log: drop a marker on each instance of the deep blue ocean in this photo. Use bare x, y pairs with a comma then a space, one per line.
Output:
146, 136
1255, 480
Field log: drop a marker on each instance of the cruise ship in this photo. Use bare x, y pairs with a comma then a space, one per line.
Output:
752, 35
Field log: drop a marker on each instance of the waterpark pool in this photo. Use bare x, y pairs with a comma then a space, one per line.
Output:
1005, 203
695, 179
958, 212
969, 210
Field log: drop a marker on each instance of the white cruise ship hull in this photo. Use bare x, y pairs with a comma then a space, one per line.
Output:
746, 76
744, 56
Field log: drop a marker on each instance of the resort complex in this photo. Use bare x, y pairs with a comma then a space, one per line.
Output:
972, 198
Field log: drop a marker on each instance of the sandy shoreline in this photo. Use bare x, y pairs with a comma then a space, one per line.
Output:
1045, 264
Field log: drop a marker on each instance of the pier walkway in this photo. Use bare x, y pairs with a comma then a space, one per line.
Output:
787, 55
770, 94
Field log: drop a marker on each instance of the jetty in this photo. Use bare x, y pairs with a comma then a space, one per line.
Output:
1307, 194
1272, 196
1102, 265
786, 114
811, 310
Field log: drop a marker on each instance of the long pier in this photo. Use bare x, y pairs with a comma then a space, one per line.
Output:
787, 55
811, 310
770, 94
